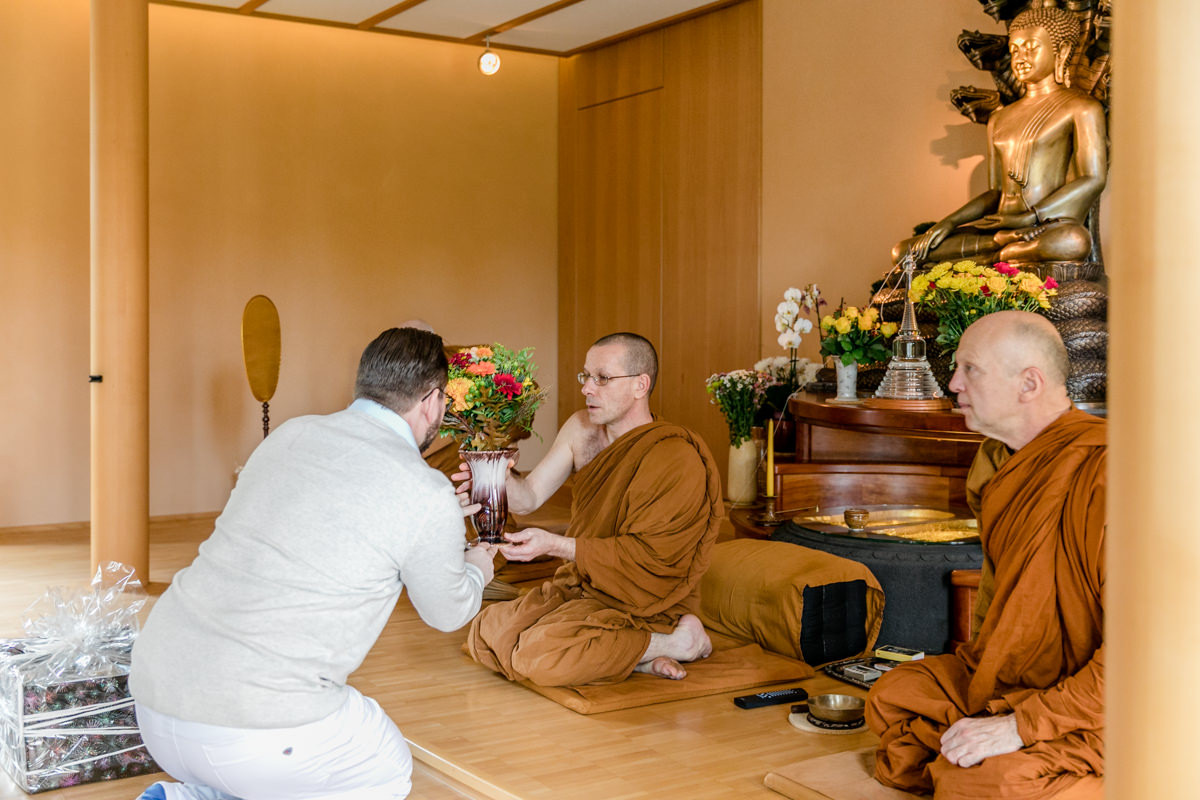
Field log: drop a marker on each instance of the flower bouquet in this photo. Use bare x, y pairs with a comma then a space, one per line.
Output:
963, 291
854, 337
491, 399
738, 394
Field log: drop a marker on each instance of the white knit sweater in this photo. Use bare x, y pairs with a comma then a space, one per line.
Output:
331, 517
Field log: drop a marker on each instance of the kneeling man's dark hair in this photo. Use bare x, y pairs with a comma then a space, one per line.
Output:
400, 367
640, 356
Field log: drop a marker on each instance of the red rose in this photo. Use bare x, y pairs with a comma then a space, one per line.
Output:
507, 385
1050, 284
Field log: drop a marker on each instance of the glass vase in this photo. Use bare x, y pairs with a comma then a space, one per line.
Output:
847, 381
489, 471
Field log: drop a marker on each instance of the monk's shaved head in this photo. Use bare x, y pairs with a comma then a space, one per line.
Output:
1023, 340
1011, 376
640, 356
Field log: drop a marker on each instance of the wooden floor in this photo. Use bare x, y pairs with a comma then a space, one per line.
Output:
473, 733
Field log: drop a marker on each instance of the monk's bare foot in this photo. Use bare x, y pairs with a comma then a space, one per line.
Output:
663, 667
668, 651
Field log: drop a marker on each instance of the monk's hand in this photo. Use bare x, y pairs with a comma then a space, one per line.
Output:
462, 481
483, 555
528, 544
972, 739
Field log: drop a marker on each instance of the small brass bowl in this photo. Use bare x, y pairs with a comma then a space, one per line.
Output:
856, 518
837, 707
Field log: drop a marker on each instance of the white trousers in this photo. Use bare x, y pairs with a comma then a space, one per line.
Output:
355, 752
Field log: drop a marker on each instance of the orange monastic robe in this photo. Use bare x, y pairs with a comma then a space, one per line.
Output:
645, 517
1039, 652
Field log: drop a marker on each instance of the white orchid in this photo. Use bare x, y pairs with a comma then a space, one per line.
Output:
789, 340
772, 365
795, 295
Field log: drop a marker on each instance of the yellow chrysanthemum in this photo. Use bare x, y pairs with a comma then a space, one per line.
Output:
997, 285
945, 282
939, 270
457, 390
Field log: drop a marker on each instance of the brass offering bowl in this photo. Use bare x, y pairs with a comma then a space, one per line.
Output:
856, 518
838, 708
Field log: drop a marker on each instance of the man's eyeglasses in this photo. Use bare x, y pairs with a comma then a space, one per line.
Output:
431, 391
600, 380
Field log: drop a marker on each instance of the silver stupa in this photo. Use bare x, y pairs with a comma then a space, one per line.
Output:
909, 382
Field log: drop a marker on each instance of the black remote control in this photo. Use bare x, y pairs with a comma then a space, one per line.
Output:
775, 698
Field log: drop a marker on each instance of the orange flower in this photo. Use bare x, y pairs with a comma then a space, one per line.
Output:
482, 352
482, 368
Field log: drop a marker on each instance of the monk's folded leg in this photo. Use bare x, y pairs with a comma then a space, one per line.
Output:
580, 642
1058, 769
909, 709
495, 632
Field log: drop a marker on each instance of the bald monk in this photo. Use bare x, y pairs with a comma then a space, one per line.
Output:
647, 503
1019, 710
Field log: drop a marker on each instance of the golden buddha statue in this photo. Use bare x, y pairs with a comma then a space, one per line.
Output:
1047, 160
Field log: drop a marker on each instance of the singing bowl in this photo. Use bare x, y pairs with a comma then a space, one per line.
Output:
837, 707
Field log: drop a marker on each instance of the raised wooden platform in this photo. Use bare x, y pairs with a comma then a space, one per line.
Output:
475, 734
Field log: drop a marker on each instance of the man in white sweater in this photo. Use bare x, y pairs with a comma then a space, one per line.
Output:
240, 674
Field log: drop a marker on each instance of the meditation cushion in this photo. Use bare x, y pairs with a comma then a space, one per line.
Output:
795, 601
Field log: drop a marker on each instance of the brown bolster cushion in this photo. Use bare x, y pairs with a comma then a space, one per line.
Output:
791, 600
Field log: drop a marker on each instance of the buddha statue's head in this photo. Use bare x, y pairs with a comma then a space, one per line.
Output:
1041, 39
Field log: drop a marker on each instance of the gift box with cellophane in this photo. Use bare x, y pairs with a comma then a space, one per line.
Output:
66, 716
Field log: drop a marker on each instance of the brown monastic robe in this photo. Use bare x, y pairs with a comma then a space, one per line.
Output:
1039, 652
645, 516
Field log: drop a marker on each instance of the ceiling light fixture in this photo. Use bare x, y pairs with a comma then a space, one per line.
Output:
489, 62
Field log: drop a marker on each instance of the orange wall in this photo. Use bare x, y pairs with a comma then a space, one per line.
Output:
860, 141
358, 180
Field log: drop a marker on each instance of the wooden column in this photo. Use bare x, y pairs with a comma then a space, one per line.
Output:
1153, 592
120, 411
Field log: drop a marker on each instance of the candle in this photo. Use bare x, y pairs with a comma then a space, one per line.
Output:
770, 458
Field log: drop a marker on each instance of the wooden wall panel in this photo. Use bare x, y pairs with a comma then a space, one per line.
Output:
616, 239
620, 70
711, 199
659, 200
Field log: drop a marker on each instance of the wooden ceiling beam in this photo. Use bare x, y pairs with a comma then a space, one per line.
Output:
521, 20
371, 22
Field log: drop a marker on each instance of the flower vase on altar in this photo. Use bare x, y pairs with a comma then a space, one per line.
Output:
743, 473
847, 381
489, 471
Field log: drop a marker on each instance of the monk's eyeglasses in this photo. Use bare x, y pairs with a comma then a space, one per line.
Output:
600, 380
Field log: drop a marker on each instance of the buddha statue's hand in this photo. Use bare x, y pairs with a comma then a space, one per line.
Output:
929, 240
993, 222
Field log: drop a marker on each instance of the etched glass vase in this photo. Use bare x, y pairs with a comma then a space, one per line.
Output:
847, 380
489, 470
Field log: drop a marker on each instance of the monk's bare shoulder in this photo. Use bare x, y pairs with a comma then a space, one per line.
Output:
585, 439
